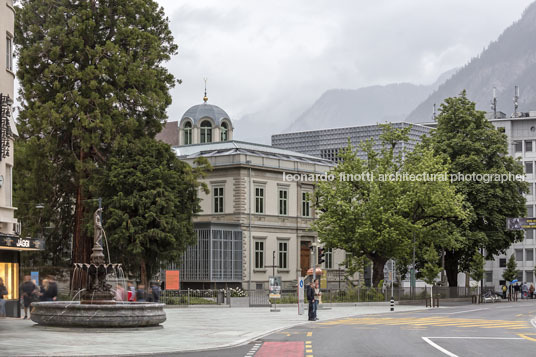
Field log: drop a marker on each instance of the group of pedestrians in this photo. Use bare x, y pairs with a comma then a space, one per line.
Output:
138, 294
47, 291
526, 291
314, 297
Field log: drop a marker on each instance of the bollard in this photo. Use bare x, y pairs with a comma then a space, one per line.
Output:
392, 303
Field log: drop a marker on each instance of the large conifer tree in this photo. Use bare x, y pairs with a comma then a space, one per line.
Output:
91, 74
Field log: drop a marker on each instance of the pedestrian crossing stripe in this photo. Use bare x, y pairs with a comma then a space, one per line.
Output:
430, 322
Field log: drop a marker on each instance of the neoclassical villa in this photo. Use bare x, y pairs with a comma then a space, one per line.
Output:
253, 223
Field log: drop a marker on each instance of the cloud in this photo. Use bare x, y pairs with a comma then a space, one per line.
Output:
270, 60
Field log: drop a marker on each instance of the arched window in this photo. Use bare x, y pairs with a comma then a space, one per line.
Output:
224, 132
206, 132
188, 133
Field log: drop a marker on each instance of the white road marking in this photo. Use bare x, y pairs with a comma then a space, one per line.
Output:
533, 322
450, 354
477, 338
439, 348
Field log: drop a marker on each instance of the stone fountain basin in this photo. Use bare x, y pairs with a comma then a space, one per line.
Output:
74, 314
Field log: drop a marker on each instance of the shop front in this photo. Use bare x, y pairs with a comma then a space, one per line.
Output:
10, 248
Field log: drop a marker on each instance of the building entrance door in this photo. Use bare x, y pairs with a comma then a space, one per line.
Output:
305, 257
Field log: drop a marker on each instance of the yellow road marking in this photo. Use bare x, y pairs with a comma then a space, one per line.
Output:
431, 321
308, 351
309, 334
308, 342
526, 337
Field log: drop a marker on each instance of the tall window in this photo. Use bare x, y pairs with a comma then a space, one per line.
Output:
329, 259
306, 205
224, 132
188, 133
283, 255
218, 199
259, 199
9, 53
528, 167
206, 132
528, 145
259, 255
518, 146
283, 202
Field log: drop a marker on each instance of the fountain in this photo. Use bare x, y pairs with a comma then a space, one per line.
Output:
97, 307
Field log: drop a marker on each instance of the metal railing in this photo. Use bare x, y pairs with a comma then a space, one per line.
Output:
260, 297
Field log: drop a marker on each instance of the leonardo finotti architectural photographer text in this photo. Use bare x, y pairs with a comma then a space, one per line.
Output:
404, 176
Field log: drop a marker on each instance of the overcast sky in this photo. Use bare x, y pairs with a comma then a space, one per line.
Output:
270, 60
275, 58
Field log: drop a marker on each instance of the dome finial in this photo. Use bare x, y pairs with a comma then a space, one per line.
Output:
205, 98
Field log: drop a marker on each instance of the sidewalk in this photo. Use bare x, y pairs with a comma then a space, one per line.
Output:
186, 329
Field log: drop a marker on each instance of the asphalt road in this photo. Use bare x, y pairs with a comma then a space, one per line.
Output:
500, 329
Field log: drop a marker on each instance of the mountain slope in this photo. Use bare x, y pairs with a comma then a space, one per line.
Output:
367, 105
507, 62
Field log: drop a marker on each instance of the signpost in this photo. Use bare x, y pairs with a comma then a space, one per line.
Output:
274, 284
301, 307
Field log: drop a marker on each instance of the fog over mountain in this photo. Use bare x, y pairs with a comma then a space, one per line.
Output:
363, 106
507, 62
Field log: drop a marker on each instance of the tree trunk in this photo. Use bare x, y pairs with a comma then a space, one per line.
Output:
82, 244
378, 264
451, 267
143, 272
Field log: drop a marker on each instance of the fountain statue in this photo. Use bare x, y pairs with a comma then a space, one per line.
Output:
97, 306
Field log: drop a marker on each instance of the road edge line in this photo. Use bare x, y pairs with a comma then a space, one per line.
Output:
439, 348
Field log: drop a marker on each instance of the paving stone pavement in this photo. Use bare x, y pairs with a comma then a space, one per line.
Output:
186, 329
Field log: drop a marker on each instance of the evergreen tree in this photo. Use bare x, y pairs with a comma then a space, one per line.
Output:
431, 269
150, 199
91, 74
472, 145
476, 268
510, 273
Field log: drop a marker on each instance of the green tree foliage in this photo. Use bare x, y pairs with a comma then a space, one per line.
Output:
91, 74
431, 268
471, 144
510, 273
476, 269
374, 215
150, 199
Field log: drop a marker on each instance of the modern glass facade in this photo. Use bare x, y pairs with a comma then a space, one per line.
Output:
217, 256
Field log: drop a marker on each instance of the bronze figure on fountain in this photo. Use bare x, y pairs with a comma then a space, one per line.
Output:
98, 291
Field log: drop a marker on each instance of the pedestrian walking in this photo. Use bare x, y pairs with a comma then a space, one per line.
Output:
29, 294
311, 300
504, 289
51, 291
156, 292
531, 291
140, 293
131, 296
3, 292
317, 297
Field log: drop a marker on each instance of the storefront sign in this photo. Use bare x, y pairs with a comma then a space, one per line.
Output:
19, 243
274, 284
172, 279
